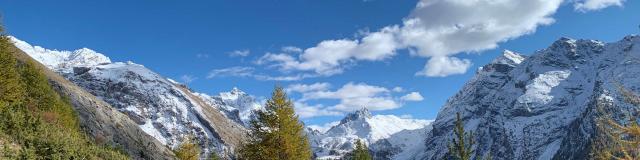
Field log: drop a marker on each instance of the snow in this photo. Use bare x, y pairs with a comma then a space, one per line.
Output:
405, 134
156, 103
536, 102
540, 90
62, 60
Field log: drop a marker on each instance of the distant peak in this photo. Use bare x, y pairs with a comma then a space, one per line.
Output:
564, 43
84, 50
235, 90
362, 113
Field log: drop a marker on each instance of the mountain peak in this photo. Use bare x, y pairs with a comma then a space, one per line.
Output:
360, 114
503, 63
509, 57
236, 91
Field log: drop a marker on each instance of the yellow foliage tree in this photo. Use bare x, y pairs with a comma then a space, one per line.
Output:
276, 133
616, 140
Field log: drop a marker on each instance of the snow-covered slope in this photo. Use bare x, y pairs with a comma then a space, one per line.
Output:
236, 104
387, 135
543, 106
164, 109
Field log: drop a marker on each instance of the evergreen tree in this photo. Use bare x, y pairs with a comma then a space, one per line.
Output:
276, 133
460, 146
361, 152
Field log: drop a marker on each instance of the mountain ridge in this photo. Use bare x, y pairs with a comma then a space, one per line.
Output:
544, 107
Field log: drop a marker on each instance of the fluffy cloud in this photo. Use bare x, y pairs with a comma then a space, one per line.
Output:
354, 96
436, 30
444, 66
397, 89
349, 97
239, 53
305, 111
592, 5
413, 96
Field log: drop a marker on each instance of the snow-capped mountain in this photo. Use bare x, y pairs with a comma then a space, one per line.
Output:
388, 136
543, 106
237, 104
163, 108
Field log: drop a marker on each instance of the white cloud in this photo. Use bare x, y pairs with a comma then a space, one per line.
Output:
406, 116
397, 89
305, 111
239, 53
592, 5
413, 96
302, 88
436, 30
291, 49
324, 127
186, 79
348, 98
232, 71
351, 96
444, 66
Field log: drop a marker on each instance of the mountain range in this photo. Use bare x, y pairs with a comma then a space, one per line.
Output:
542, 106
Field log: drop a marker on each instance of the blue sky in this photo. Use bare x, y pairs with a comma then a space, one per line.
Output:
222, 44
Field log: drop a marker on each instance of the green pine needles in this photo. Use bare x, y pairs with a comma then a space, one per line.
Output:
276, 133
361, 152
460, 146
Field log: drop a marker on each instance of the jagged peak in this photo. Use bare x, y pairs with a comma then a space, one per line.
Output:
362, 113
237, 91
509, 57
503, 63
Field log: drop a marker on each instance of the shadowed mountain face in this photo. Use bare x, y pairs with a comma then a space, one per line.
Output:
543, 106
162, 108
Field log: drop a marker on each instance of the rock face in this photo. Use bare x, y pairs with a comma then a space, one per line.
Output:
387, 136
102, 122
162, 108
544, 106
236, 104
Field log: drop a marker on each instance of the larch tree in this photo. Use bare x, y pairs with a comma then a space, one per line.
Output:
276, 133
618, 140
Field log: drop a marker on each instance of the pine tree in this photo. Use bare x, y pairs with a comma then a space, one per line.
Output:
460, 146
361, 152
276, 133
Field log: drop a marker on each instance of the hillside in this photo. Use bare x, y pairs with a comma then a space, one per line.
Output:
162, 108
